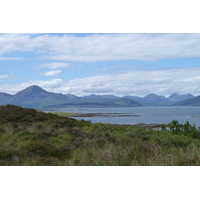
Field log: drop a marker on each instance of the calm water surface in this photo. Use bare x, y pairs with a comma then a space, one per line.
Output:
143, 114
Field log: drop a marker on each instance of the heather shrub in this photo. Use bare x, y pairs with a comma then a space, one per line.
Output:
29, 137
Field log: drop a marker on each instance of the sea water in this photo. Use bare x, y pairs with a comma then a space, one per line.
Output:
134, 115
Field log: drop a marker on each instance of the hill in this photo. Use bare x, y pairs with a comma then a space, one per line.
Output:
32, 138
94, 96
35, 96
189, 102
177, 98
71, 96
85, 102
4, 98
156, 100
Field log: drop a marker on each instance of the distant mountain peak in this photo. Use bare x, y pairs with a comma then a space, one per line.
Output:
177, 98
175, 94
71, 96
35, 95
34, 88
92, 96
153, 96
155, 99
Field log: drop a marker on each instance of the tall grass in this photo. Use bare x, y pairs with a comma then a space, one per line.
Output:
53, 140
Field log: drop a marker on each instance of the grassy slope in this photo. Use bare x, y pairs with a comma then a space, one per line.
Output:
28, 137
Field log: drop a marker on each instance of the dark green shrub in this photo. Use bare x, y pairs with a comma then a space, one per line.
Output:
186, 129
24, 133
43, 161
44, 149
43, 135
175, 127
163, 127
5, 154
101, 142
191, 130
40, 127
173, 140
2, 131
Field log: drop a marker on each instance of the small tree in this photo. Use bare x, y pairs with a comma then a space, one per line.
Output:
175, 127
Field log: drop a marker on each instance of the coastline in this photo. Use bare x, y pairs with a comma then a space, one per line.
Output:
147, 125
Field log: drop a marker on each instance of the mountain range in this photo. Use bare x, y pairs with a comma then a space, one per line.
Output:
36, 97
153, 99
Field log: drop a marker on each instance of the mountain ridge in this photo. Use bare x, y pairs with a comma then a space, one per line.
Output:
190, 102
36, 97
175, 97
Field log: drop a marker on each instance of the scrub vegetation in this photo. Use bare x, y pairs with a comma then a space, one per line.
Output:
32, 138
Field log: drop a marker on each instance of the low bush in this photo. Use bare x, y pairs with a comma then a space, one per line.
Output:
28, 137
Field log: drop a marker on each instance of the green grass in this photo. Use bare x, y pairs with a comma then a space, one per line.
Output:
31, 138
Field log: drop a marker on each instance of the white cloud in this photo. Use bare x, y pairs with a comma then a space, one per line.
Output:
51, 85
52, 73
55, 65
140, 83
104, 47
4, 76
10, 58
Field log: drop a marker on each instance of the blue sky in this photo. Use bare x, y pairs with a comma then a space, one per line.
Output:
117, 64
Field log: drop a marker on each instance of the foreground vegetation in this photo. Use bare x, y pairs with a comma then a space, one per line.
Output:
32, 138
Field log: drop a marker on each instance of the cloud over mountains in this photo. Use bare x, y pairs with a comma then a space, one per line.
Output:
125, 83
116, 64
52, 73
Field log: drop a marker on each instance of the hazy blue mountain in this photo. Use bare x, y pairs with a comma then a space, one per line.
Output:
135, 98
177, 98
94, 96
189, 102
153, 99
109, 96
4, 98
71, 96
156, 99
140, 100
35, 96
98, 103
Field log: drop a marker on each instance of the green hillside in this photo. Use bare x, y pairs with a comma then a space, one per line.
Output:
32, 138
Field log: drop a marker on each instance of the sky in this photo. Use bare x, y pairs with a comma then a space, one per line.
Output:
116, 64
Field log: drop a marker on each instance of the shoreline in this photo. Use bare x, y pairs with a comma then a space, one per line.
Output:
150, 125
64, 114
